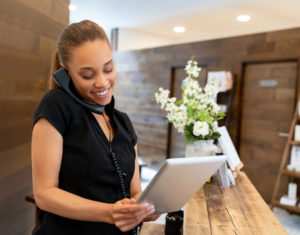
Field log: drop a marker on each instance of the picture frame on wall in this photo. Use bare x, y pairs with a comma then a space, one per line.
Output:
222, 79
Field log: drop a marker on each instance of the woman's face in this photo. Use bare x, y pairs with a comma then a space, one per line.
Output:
92, 71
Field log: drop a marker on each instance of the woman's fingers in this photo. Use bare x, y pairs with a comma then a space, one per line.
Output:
143, 213
128, 208
123, 201
128, 224
152, 218
127, 214
134, 211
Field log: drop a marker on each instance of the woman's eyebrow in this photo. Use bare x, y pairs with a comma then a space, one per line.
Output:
90, 68
108, 62
87, 68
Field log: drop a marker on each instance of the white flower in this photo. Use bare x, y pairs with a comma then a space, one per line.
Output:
192, 90
211, 90
162, 97
192, 69
215, 107
172, 100
203, 98
201, 128
195, 103
201, 106
190, 121
215, 126
192, 84
170, 107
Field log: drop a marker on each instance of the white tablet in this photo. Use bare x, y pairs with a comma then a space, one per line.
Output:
178, 180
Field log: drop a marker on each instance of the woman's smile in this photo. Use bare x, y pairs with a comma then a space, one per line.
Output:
101, 94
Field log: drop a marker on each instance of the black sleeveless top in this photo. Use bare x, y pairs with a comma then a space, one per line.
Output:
86, 168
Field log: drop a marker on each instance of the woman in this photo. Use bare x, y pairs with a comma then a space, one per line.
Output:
75, 182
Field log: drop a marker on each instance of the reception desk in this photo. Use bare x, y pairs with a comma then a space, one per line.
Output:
236, 210
218, 211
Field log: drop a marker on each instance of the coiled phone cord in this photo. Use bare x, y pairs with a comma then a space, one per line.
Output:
117, 168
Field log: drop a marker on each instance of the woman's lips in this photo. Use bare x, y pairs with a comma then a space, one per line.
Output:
101, 94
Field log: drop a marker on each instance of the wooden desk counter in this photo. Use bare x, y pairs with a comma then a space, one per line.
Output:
236, 210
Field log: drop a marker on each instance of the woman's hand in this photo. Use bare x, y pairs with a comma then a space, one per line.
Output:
127, 214
151, 218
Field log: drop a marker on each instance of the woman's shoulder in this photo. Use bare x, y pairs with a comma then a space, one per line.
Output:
56, 106
57, 95
55, 101
58, 98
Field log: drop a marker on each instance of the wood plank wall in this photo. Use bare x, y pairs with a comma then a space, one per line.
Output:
141, 72
28, 33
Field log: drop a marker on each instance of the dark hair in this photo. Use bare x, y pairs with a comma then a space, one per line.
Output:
71, 37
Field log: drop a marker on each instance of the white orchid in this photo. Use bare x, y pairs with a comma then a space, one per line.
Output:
196, 114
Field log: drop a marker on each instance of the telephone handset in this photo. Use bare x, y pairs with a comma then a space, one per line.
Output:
63, 80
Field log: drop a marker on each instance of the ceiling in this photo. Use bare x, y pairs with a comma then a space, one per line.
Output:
203, 19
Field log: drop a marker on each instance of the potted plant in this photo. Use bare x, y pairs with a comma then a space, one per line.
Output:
196, 114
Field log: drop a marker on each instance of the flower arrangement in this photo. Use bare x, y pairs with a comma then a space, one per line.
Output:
196, 114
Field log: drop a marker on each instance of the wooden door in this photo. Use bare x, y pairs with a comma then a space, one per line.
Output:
176, 147
268, 101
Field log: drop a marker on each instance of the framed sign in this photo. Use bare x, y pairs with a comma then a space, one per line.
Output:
228, 148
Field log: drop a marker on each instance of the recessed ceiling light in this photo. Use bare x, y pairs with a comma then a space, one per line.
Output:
243, 18
73, 7
179, 29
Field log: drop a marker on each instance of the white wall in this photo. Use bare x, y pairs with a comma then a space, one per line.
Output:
131, 39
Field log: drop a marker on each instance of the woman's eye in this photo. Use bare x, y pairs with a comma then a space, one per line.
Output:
108, 71
87, 77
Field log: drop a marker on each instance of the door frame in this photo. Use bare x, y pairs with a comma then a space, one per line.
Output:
241, 89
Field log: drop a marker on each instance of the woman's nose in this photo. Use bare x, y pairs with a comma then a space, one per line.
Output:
100, 81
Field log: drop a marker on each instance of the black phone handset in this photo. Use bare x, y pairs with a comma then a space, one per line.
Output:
63, 80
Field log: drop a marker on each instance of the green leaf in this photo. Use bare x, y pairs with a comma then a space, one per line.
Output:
220, 116
179, 102
216, 135
204, 116
186, 140
190, 112
188, 134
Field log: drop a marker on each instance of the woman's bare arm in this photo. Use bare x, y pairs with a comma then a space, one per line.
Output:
135, 184
47, 147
